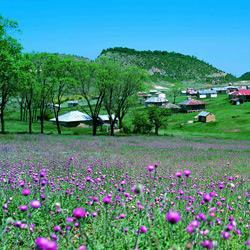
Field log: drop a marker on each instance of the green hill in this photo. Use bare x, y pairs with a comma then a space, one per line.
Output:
245, 77
170, 66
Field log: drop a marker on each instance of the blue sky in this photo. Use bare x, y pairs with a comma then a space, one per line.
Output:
216, 31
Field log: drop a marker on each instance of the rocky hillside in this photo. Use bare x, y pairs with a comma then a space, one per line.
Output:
170, 66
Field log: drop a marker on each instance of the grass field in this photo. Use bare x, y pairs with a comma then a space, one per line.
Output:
232, 122
138, 192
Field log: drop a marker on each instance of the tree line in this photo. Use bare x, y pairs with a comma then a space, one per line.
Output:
35, 79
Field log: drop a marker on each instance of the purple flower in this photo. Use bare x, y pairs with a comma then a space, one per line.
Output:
187, 173
143, 230
248, 242
26, 192
173, 217
35, 204
94, 214
52, 245
122, 216
23, 207
79, 213
207, 197
190, 229
57, 228
178, 174
151, 168
106, 200
42, 243
82, 248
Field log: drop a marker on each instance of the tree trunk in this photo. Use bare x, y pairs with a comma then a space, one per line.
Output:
41, 119
21, 112
156, 130
58, 125
2, 120
94, 126
120, 122
30, 120
112, 129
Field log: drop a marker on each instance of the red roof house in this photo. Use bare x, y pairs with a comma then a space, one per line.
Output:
243, 95
192, 105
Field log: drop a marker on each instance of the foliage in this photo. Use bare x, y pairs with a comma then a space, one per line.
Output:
245, 76
168, 66
141, 123
158, 117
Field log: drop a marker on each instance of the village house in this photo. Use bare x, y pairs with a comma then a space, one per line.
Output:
73, 119
153, 92
72, 103
192, 105
220, 90
156, 101
207, 93
174, 108
205, 117
143, 97
161, 95
243, 95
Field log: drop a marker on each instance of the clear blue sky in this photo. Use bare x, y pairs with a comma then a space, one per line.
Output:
216, 31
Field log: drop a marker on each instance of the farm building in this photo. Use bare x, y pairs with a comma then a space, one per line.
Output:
103, 120
183, 92
205, 117
73, 119
72, 103
192, 105
161, 95
153, 92
192, 93
243, 95
174, 108
235, 101
207, 93
155, 101
220, 90
143, 97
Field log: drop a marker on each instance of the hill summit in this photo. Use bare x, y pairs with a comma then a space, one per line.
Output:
169, 66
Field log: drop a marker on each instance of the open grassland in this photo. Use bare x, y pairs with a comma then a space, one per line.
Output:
84, 192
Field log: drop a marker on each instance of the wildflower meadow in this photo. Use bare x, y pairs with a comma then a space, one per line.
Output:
83, 192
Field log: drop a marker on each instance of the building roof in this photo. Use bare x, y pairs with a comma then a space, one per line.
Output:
204, 92
105, 117
72, 102
156, 100
219, 89
242, 92
235, 99
192, 102
73, 116
203, 113
170, 106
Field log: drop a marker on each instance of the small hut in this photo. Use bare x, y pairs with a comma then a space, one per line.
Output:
205, 117
161, 95
235, 101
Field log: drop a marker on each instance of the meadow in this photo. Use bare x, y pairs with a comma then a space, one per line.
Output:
137, 192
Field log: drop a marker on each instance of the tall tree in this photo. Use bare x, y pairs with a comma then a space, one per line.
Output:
44, 88
127, 81
175, 89
93, 80
61, 80
10, 53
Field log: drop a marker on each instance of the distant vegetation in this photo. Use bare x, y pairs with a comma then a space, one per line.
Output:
245, 76
169, 66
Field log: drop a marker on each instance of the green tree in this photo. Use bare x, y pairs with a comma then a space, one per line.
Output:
10, 54
127, 81
175, 90
90, 84
141, 123
61, 79
158, 118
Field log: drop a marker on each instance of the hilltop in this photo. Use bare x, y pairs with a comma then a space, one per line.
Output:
170, 66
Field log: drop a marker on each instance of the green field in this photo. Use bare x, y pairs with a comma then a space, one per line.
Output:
232, 122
